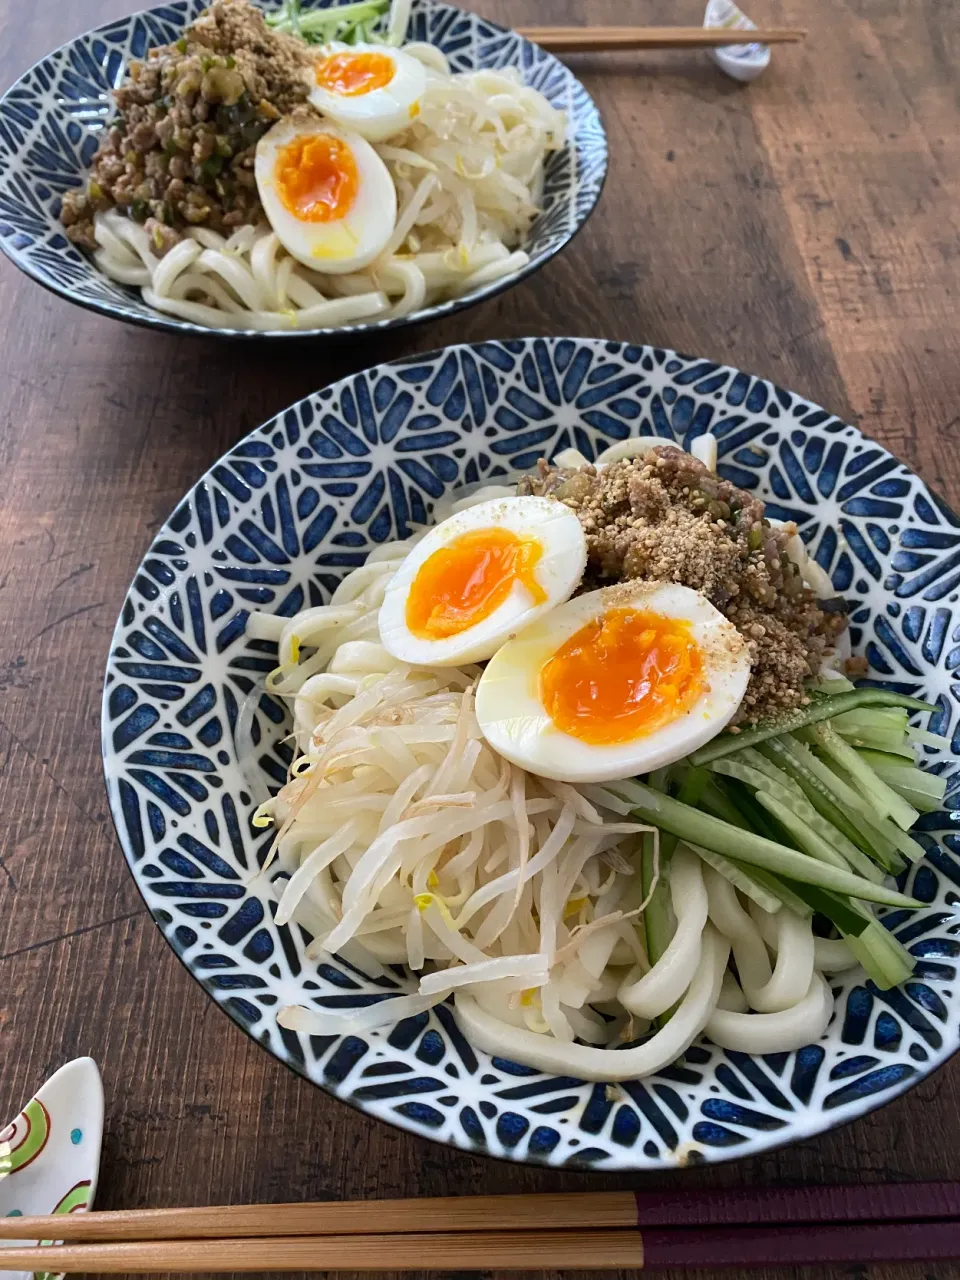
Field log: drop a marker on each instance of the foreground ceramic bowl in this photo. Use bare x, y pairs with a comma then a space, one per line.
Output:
298, 503
50, 122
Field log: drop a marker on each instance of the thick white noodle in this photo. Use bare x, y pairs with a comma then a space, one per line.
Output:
666, 982
802, 1024
767, 991
406, 839
404, 835
492, 1035
830, 955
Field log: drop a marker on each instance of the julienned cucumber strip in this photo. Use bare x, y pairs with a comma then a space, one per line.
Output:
816, 791
740, 878
750, 816
832, 685
882, 727
815, 836
883, 837
689, 793
926, 739
715, 800
884, 799
700, 828
885, 959
807, 830
808, 839
800, 823
822, 707
834, 906
756, 771
656, 917
925, 791
320, 21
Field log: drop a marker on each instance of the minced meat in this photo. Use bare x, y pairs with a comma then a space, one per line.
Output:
181, 150
665, 517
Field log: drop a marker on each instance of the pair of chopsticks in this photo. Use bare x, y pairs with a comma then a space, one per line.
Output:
918, 1222
597, 39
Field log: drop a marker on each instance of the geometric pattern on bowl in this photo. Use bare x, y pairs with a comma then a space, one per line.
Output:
50, 122
276, 523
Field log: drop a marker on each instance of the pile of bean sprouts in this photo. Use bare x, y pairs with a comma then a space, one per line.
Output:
407, 840
468, 173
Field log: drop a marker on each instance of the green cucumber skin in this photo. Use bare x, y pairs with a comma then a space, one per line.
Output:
822, 708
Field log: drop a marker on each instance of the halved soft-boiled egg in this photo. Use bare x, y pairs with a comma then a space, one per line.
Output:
326, 193
478, 577
614, 683
373, 89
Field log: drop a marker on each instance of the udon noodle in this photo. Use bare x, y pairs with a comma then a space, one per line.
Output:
407, 840
468, 174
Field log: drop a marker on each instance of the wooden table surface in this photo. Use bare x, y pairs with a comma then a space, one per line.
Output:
806, 227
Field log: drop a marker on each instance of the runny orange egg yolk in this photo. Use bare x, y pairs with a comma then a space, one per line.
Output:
353, 74
316, 177
469, 579
622, 676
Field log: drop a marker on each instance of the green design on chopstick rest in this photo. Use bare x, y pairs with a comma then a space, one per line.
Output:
23, 1140
78, 1197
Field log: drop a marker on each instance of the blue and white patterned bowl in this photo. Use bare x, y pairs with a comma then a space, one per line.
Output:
297, 504
51, 119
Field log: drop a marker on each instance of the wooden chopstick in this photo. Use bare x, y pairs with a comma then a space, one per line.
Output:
596, 1209
680, 1247
571, 1211
596, 39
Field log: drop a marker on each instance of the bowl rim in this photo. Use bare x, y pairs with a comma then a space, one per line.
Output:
158, 321
819, 1122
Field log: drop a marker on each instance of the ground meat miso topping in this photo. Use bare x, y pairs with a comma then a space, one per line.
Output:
181, 149
665, 517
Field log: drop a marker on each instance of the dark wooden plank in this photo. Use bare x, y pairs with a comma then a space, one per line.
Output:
804, 227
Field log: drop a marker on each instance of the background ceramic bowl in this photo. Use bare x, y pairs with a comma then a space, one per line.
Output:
50, 122
298, 503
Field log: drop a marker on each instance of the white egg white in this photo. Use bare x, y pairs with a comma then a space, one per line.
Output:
343, 244
558, 572
378, 113
516, 724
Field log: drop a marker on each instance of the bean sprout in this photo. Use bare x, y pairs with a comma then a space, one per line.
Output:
403, 838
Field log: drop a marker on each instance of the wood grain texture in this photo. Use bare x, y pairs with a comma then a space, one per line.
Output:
804, 227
